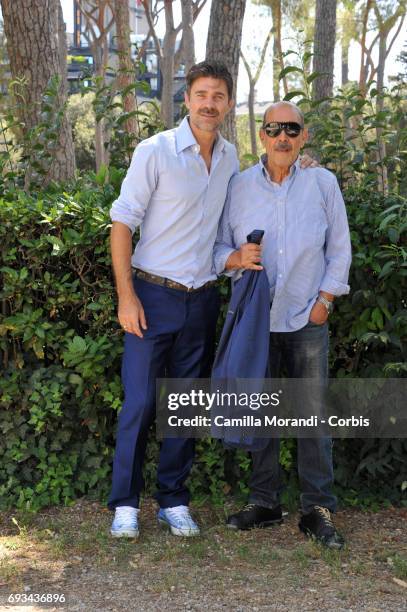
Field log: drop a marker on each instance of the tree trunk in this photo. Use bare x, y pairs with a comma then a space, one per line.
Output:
381, 145
278, 62
188, 41
324, 47
345, 61
35, 46
252, 118
126, 72
167, 67
99, 50
223, 45
363, 66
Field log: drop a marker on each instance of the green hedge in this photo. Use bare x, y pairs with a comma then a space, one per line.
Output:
61, 350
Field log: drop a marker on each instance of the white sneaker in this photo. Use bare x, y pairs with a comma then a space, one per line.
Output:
125, 522
178, 520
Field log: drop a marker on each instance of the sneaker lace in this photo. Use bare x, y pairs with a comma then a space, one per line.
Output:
126, 512
180, 513
248, 507
326, 515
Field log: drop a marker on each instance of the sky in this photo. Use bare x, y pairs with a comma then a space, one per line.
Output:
255, 28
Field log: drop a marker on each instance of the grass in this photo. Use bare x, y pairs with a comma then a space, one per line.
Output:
400, 566
225, 560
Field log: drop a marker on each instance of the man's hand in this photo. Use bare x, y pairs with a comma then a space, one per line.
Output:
318, 314
307, 162
248, 257
131, 315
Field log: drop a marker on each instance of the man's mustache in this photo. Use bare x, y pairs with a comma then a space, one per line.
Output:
208, 111
282, 147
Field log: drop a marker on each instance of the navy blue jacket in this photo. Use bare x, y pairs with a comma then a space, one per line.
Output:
244, 345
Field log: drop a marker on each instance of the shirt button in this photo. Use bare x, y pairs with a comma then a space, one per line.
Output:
280, 251
280, 275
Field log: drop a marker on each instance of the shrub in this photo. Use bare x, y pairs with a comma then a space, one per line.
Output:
61, 346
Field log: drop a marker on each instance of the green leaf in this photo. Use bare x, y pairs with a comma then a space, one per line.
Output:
287, 70
294, 94
387, 269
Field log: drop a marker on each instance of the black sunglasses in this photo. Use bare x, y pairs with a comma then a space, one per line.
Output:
274, 129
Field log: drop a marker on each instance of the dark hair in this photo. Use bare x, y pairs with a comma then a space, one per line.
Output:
215, 70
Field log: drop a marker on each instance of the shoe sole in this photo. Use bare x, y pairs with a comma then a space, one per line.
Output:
129, 533
262, 525
177, 531
313, 537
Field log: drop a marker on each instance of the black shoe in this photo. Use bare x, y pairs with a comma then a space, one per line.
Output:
318, 525
252, 516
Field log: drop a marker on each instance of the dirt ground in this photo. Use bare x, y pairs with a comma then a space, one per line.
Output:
68, 551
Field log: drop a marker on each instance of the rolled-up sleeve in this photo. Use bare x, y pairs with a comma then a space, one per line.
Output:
136, 190
224, 244
338, 254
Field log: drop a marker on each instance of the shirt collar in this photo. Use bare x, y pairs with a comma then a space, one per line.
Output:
184, 138
263, 161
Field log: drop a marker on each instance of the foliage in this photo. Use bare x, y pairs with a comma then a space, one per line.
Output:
108, 106
61, 345
82, 118
26, 156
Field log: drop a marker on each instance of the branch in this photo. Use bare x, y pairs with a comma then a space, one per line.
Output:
246, 65
376, 38
363, 42
369, 60
169, 18
151, 26
396, 35
142, 49
378, 14
197, 8
263, 55
178, 55
88, 23
90, 17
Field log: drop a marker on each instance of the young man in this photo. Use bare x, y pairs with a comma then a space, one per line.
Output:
174, 190
306, 254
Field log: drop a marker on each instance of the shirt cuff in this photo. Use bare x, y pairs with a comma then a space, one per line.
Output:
220, 259
335, 287
125, 219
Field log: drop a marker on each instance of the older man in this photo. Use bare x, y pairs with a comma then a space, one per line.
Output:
306, 254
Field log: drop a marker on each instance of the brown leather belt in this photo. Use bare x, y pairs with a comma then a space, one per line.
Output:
167, 282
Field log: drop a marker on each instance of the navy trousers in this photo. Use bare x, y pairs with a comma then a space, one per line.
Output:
304, 353
179, 343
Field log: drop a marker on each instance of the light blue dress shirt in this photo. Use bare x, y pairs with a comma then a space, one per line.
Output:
306, 245
169, 193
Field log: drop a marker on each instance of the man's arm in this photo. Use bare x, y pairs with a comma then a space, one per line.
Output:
130, 312
127, 213
248, 257
226, 257
338, 254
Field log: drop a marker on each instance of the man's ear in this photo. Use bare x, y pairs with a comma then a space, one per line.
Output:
231, 104
305, 135
262, 136
186, 99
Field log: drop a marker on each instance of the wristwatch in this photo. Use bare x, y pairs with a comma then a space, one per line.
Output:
328, 305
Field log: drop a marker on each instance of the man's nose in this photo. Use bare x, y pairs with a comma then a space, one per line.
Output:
282, 137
